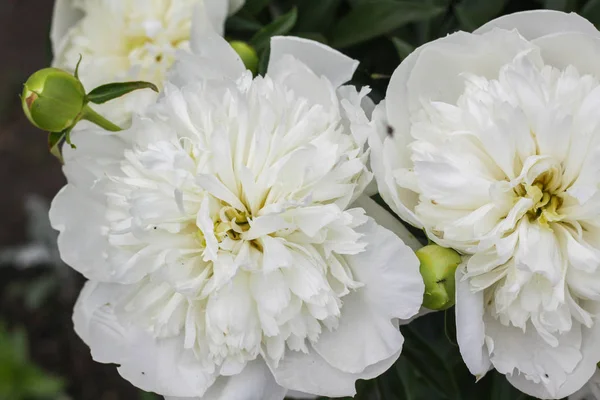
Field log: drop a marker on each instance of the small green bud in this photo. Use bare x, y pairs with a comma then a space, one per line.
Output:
438, 265
53, 99
247, 54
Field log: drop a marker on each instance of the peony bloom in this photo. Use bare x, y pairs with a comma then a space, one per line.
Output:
224, 258
122, 40
493, 148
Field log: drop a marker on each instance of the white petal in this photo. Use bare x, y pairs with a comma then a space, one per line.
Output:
363, 337
97, 155
388, 221
389, 154
299, 77
309, 373
390, 272
255, 382
64, 16
591, 390
537, 23
590, 349
321, 59
154, 365
571, 48
96, 324
211, 50
82, 241
470, 329
216, 12
438, 72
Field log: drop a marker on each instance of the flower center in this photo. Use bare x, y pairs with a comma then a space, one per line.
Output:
546, 196
231, 224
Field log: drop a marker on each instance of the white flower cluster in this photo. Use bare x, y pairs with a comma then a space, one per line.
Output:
231, 252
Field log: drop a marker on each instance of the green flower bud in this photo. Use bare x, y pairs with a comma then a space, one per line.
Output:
53, 99
247, 54
438, 265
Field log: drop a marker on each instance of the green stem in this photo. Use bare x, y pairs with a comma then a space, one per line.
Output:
94, 117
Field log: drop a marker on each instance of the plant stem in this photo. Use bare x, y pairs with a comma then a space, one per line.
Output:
94, 117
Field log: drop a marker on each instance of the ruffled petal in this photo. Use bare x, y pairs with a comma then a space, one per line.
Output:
389, 270
562, 356
82, 241
154, 365
363, 337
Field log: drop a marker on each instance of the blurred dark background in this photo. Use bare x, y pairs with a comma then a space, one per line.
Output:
40, 355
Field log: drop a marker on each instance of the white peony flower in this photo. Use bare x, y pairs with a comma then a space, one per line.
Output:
223, 257
122, 40
493, 148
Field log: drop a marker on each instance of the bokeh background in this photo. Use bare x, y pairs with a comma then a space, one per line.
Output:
40, 355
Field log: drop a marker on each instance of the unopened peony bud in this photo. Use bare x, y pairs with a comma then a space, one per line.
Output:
438, 265
247, 54
53, 99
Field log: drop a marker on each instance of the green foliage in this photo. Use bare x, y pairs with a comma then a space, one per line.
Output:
370, 19
591, 11
472, 14
111, 91
20, 379
280, 26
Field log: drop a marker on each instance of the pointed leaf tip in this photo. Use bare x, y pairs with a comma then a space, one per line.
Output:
111, 91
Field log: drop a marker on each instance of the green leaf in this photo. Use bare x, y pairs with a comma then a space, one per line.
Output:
148, 396
472, 14
253, 7
263, 63
111, 91
430, 364
39, 384
280, 26
241, 23
373, 18
317, 37
403, 48
591, 11
316, 15
561, 5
